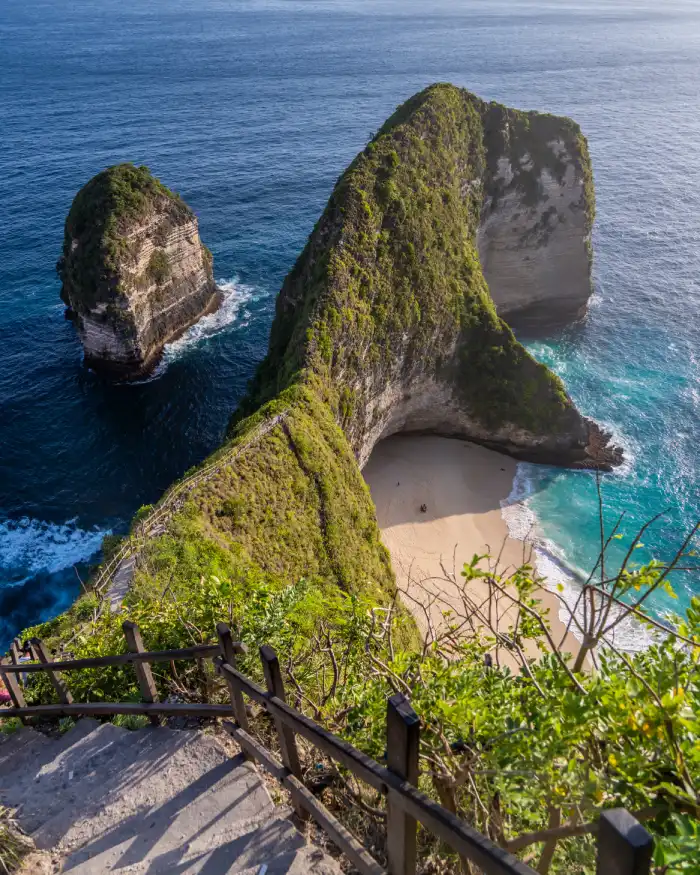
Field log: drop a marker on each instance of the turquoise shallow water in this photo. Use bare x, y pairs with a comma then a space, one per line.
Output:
251, 109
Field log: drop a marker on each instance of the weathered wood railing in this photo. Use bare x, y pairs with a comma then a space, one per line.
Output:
624, 846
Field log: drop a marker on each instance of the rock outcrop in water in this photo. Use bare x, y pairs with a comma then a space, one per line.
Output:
536, 218
135, 273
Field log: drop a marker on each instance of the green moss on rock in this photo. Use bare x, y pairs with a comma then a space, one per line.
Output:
94, 239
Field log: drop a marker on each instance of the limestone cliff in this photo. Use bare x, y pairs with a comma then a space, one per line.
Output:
135, 273
536, 218
387, 312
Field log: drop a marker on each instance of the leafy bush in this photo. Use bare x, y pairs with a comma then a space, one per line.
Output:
159, 266
130, 721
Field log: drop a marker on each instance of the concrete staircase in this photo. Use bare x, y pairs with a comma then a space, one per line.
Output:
155, 801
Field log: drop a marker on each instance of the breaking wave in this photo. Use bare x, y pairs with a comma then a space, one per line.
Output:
29, 547
233, 308
233, 311
560, 576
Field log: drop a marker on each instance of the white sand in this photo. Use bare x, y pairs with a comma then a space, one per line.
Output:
461, 485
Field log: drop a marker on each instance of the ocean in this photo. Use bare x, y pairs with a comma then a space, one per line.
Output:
251, 110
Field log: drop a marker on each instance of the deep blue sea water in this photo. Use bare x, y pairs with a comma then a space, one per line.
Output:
251, 110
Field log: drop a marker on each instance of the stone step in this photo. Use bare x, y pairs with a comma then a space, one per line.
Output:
41, 786
222, 847
155, 801
20, 747
156, 776
43, 760
102, 764
222, 804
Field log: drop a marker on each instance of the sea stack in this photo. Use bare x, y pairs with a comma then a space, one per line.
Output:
135, 273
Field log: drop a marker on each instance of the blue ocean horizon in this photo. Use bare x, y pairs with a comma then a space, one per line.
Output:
251, 110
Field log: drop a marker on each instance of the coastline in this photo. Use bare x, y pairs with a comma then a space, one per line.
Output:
464, 488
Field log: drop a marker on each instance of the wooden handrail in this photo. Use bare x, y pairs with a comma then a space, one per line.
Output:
462, 838
406, 804
345, 840
197, 651
107, 709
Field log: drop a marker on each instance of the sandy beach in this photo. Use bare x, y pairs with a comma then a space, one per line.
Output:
461, 486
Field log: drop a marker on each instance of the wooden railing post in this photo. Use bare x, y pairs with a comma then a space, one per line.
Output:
43, 655
13, 688
286, 736
226, 644
624, 846
402, 745
144, 675
15, 650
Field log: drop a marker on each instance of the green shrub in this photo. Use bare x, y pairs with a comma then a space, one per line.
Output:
9, 725
159, 266
131, 721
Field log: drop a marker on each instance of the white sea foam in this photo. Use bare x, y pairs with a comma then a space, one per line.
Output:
236, 295
29, 547
552, 565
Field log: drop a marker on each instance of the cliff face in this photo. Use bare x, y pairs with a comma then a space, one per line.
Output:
536, 218
387, 312
135, 273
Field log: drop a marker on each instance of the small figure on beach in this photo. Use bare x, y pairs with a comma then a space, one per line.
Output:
424, 508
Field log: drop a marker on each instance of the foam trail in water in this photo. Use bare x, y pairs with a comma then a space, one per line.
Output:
29, 547
235, 296
552, 566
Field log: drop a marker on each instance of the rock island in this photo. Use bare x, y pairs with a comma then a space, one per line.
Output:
135, 273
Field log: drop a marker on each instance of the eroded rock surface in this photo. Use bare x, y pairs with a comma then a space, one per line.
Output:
536, 219
135, 273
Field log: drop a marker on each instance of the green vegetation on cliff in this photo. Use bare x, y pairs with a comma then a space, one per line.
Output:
388, 286
390, 280
93, 238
